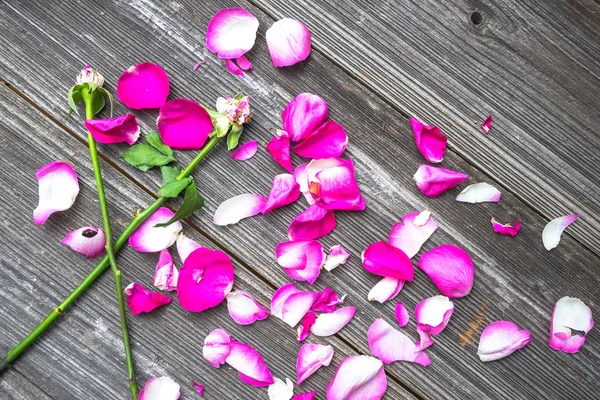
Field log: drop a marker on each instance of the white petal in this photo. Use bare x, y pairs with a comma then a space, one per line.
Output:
554, 229
479, 193
386, 289
281, 390
163, 388
233, 210
58, 188
330, 323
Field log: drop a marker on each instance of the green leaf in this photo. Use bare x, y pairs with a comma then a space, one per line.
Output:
98, 103
169, 173
74, 98
234, 136
106, 93
156, 142
144, 156
192, 202
173, 188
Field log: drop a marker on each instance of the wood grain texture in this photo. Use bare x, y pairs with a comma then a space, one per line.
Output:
516, 280
14, 386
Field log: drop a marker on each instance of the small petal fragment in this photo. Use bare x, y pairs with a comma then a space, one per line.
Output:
383, 259
141, 300
433, 181
89, 241
506, 229
165, 275
500, 339
184, 124
422, 218
244, 63
358, 377
58, 189
390, 345
244, 309
305, 396
409, 237
402, 315
148, 238
450, 268
234, 69
337, 256
487, 125
114, 130
301, 260
303, 330
430, 141
554, 229
327, 301
279, 148
217, 346
231, 32
185, 246
332, 184
144, 85
163, 388
245, 151
233, 210
302, 179
432, 316
303, 115
386, 289
285, 190
289, 42
331, 323
313, 223
570, 314
280, 390
199, 388
479, 193
329, 140
249, 364
311, 357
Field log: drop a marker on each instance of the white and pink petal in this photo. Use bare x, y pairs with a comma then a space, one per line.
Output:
433, 181
570, 314
479, 193
185, 246
289, 42
358, 377
408, 236
233, 210
148, 238
500, 339
285, 190
450, 268
280, 390
165, 274
385, 290
430, 141
58, 189
331, 323
141, 300
553, 230
402, 316
231, 32
311, 357
163, 388
389, 345
249, 364
89, 241
303, 115
243, 309
245, 151
336, 257
217, 346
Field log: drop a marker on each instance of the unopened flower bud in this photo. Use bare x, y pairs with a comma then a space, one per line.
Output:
237, 111
89, 75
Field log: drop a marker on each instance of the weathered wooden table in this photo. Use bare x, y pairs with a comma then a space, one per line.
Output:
534, 65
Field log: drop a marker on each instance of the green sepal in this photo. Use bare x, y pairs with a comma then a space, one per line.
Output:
111, 101
169, 173
98, 103
234, 136
173, 188
192, 202
239, 96
74, 97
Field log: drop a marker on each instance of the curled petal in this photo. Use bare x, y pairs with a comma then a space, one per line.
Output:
144, 85
305, 396
331, 323
114, 130
402, 315
433, 181
337, 256
280, 390
234, 69
500, 339
185, 246
165, 275
383, 259
430, 141
386, 289
301, 260
506, 229
327, 301
312, 223
289, 42
148, 238
233, 210
408, 236
554, 229
390, 345
332, 184
205, 279
303, 115
479, 193
244, 309
249, 364
217, 346
199, 388
88, 240
570, 314
279, 148
432, 316
58, 189
285, 190
487, 125
311, 357
163, 388
184, 124
302, 180
303, 330
141, 300
329, 140
358, 377
231, 32
422, 218
297, 306
245, 151
450, 269
279, 298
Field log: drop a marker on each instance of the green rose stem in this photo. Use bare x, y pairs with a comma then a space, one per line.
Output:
14, 353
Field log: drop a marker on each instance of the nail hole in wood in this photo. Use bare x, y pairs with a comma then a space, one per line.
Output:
476, 18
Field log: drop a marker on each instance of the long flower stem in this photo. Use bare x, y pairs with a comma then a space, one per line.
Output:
15, 352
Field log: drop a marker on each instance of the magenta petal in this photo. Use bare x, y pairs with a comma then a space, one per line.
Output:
390, 345
89, 241
245, 151
329, 140
233, 210
430, 141
234, 69
303, 330
301, 260
570, 314
165, 275
205, 279
163, 388
279, 148
199, 388
231, 32
185, 246
114, 130
487, 125
285, 190
433, 181
305, 396
141, 300
553, 230
386, 289
148, 238
244, 63
500, 339
279, 298
289, 42
409, 237
216, 347
402, 315
249, 364
244, 309
312, 223
337, 256
58, 189
432, 316
184, 124
450, 269
311, 357
327, 301
358, 377
332, 184
144, 85
331, 323
383, 259
506, 229
303, 115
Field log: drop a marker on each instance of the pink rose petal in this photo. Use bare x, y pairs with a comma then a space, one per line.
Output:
297, 306
114, 130
487, 125
301, 260
386, 289
570, 314
244, 309
450, 269
402, 315
141, 300
500, 339
329, 140
89, 241
279, 148
285, 190
205, 279
432, 316
390, 345
198, 64
235, 69
312, 223
249, 364
327, 301
303, 115
302, 179
144, 85
479, 193
305, 396
58, 189
430, 141
311, 357
303, 330
233, 210
332, 184
185, 246
337, 256
165, 275
409, 237
245, 151
383, 259
199, 388
184, 124
279, 298
506, 229
148, 238
331, 323
231, 32
288, 41
280, 390
217, 346
433, 181
163, 388
358, 377
554, 229
244, 63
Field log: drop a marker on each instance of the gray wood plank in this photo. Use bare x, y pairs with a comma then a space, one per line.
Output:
15, 386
